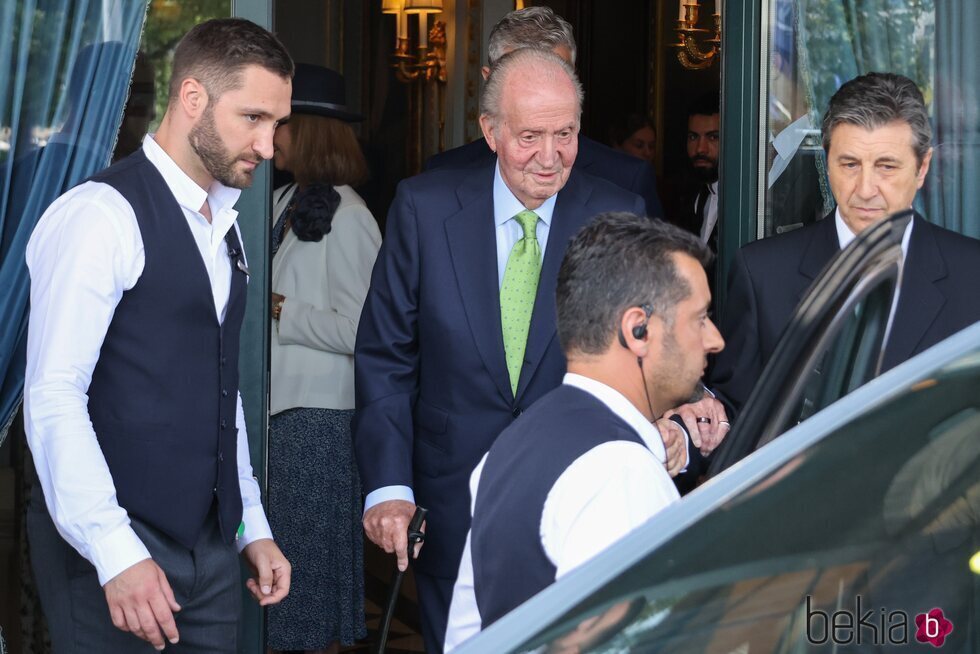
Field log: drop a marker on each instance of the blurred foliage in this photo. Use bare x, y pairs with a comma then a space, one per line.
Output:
166, 23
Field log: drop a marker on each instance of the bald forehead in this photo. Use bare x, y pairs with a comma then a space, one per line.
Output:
542, 77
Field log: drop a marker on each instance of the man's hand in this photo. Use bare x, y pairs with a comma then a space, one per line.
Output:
674, 443
386, 525
706, 435
272, 571
141, 602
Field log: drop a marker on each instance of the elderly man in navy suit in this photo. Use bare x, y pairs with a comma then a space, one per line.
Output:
877, 136
457, 336
540, 27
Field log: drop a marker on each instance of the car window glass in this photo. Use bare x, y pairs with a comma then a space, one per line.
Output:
882, 516
847, 360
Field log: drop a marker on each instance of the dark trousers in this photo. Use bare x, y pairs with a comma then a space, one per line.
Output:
205, 580
435, 593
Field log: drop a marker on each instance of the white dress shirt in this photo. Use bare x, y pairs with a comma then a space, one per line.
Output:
606, 493
710, 213
509, 232
85, 252
845, 236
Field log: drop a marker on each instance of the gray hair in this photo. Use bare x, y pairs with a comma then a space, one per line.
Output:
542, 62
874, 100
532, 27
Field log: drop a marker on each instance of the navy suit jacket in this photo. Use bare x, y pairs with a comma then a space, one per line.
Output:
769, 278
621, 169
431, 379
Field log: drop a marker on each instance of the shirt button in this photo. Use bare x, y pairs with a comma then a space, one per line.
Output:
517, 411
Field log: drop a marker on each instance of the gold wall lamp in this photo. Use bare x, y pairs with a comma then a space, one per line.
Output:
689, 52
430, 62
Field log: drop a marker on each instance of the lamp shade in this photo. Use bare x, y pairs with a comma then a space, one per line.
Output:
423, 6
391, 6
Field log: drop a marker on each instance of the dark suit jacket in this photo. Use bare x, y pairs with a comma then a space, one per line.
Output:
430, 375
621, 169
769, 278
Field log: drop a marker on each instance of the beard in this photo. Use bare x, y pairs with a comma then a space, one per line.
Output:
676, 374
707, 175
210, 149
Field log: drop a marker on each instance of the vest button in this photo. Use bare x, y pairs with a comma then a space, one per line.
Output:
517, 411
224, 393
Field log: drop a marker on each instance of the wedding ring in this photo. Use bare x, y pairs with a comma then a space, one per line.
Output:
704, 420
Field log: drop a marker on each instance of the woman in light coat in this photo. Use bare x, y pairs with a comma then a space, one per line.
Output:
325, 241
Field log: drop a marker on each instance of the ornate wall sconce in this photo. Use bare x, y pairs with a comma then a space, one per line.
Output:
689, 53
430, 62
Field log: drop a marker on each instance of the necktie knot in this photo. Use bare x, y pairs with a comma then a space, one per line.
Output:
528, 221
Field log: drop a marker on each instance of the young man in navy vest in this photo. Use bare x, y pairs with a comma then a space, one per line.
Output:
585, 464
132, 407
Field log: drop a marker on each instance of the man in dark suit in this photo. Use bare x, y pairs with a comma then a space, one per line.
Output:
457, 336
585, 465
876, 134
540, 27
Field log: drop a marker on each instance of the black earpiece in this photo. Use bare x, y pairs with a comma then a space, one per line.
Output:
640, 331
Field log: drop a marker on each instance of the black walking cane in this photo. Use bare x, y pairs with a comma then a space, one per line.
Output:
415, 536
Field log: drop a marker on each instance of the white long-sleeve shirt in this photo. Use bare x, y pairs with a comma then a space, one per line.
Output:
84, 253
603, 495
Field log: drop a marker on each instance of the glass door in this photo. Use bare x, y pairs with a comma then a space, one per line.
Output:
811, 47
814, 46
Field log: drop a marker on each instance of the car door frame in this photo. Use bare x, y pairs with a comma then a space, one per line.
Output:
873, 258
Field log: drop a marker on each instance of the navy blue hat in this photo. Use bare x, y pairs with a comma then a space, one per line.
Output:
321, 92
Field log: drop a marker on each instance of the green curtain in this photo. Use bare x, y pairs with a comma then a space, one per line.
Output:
952, 194
841, 39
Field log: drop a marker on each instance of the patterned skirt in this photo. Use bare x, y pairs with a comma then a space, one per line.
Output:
315, 514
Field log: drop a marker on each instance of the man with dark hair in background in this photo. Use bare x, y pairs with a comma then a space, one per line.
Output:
131, 402
585, 464
697, 208
541, 28
877, 137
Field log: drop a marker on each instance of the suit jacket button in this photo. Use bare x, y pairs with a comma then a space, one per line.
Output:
224, 424
517, 411
224, 393
221, 456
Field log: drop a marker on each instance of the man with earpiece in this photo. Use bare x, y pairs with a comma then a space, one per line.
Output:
585, 464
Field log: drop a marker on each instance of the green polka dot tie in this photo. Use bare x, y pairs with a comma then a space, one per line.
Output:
517, 293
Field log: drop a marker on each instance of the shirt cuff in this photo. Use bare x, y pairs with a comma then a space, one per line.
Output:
115, 552
256, 526
687, 439
386, 493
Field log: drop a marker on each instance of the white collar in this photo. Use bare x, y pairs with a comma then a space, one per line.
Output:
845, 235
187, 192
623, 408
